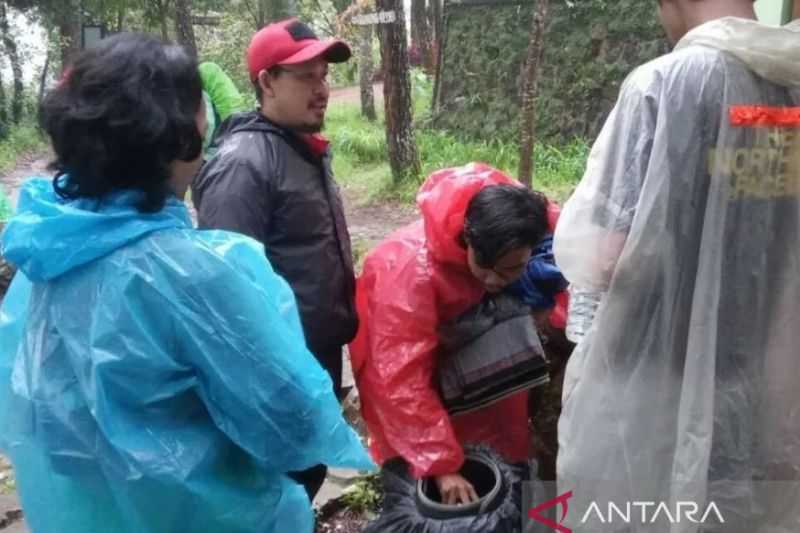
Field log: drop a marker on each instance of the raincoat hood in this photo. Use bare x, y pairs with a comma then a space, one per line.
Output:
51, 236
162, 383
413, 283
443, 201
771, 52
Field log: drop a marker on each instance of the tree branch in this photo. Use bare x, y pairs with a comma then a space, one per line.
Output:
331, 25
253, 13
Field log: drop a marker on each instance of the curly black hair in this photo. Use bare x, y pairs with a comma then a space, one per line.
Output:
501, 218
122, 114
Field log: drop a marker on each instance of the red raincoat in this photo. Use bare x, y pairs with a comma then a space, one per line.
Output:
414, 281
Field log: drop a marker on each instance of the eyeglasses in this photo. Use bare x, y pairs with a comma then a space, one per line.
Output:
309, 77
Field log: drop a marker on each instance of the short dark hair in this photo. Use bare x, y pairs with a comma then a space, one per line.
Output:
501, 218
124, 112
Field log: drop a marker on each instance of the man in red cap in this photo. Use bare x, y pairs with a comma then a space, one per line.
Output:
271, 179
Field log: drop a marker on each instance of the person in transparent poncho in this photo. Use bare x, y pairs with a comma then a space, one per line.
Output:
687, 221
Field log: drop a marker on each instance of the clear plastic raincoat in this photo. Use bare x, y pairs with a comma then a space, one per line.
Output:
685, 389
154, 378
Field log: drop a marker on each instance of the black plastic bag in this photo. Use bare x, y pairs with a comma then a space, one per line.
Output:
405, 512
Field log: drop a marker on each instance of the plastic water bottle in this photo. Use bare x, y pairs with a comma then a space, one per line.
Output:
583, 306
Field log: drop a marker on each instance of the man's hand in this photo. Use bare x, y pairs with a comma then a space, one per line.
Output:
455, 489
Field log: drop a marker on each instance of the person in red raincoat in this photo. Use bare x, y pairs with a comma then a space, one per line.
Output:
421, 277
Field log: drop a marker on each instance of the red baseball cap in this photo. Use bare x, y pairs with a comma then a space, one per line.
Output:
290, 42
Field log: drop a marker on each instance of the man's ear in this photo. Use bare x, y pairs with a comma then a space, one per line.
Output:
265, 82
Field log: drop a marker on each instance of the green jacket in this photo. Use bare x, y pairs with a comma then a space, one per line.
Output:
220, 88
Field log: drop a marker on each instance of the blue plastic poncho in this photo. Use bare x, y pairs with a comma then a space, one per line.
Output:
154, 378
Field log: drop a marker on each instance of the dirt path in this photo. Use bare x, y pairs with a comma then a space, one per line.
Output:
352, 95
33, 164
369, 223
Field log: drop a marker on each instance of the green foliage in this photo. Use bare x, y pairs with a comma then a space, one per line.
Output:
558, 167
21, 139
8, 486
422, 95
366, 144
361, 248
481, 69
346, 74
360, 160
226, 45
364, 496
5, 206
590, 47
343, 74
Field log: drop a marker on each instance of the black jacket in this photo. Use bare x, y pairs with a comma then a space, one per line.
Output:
266, 183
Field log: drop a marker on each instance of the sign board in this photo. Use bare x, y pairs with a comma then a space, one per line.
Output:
91, 35
368, 19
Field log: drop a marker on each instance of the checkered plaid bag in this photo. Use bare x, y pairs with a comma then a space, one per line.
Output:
489, 353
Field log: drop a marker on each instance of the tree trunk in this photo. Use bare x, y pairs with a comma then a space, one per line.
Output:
164, 30
441, 44
403, 157
279, 10
69, 30
436, 28
10, 45
43, 79
261, 19
120, 19
429, 12
161, 8
3, 108
529, 92
365, 73
796, 11
184, 30
421, 33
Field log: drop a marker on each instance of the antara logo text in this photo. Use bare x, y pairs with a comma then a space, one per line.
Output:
643, 512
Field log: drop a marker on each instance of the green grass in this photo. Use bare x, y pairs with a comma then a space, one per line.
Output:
5, 206
360, 160
21, 139
8, 486
365, 496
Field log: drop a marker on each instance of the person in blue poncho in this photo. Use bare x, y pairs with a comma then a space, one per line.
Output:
6, 270
153, 378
